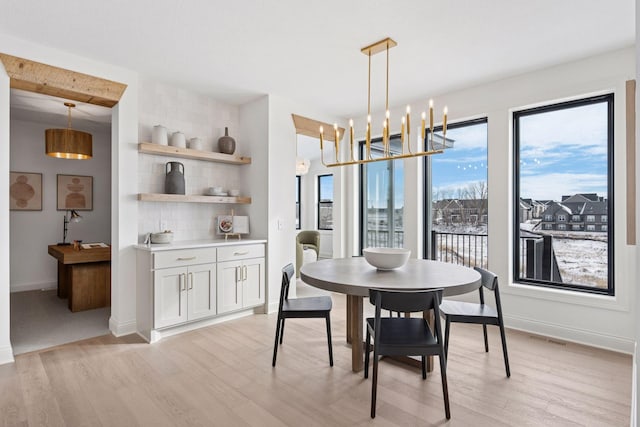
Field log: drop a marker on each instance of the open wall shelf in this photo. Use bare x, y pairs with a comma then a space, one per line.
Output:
187, 153
158, 197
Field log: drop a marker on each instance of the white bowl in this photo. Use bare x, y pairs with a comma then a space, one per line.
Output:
161, 237
234, 192
386, 258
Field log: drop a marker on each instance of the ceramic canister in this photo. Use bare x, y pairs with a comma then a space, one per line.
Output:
178, 140
159, 135
196, 143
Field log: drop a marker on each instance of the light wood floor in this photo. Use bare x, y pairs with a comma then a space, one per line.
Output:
222, 376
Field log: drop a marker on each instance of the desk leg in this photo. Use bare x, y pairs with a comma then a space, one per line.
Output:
64, 279
354, 331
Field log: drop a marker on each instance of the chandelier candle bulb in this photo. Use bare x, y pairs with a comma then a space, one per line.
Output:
408, 130
351, 138
422, 125
444, 124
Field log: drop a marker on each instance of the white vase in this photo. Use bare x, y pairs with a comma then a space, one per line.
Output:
159, 135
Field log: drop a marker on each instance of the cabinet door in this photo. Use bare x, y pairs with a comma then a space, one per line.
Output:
229, 286
253, 283
201, 291
169, 297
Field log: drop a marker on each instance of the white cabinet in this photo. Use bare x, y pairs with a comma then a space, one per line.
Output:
240, 277
190, 286
182, 294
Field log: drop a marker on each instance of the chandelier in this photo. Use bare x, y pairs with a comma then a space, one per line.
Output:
68, 143
405, 127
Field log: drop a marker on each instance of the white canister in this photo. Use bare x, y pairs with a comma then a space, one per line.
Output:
159, 135
178, 140
196, 143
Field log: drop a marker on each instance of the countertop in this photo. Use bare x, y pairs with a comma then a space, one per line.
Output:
191, 244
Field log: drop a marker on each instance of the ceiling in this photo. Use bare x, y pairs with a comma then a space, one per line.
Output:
309, 51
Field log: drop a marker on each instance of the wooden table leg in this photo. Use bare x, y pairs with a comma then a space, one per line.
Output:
348, 321
64, 279
355, 323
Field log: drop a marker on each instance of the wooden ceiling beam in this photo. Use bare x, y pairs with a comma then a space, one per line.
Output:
49, 80
311, 127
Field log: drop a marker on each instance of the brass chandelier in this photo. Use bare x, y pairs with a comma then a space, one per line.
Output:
405, 127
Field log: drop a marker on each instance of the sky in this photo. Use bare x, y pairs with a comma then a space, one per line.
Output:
562, 152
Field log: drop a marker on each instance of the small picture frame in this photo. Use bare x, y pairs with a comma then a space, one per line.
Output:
75, 192
25, 191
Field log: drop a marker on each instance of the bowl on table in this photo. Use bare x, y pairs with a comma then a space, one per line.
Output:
163, 237
386, 258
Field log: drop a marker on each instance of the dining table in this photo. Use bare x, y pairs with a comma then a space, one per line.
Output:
355, 277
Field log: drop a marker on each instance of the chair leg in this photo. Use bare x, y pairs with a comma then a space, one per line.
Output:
486, 340
445, 389
374, 382
424, 367
366, 354
275, 345
446, 337
504, 349
328, 320
281, 330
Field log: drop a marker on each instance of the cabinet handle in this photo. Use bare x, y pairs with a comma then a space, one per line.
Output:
190, 281
241, 253
237, 274
191, 258
244, 272
183, 278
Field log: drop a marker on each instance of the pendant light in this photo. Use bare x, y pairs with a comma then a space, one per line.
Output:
68, 143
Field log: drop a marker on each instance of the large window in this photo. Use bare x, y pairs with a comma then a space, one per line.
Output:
382, 198
564, 162
456, 205
325, 202
298, 223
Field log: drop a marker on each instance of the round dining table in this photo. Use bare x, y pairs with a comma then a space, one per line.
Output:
354, 277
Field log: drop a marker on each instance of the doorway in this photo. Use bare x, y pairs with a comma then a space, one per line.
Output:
39, 318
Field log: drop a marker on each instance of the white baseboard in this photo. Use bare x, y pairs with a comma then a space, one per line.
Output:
120, 329
36, 286
578, 336
6, 355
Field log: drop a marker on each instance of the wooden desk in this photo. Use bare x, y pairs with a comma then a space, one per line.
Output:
84, 276
354, 277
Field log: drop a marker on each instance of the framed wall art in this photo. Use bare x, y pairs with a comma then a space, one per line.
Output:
25, 191
75, 192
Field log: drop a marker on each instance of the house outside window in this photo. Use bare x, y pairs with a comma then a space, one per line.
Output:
570, 143
325, 202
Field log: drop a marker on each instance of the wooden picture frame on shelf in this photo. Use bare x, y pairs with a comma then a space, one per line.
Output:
25, 191
74, 192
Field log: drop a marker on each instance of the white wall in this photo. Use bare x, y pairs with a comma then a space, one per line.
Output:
596, 320
195, 115
32, 231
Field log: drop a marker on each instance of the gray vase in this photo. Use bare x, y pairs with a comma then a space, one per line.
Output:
174, 179
226, 144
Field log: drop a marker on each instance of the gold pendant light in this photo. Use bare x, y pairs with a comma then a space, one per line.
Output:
68, 143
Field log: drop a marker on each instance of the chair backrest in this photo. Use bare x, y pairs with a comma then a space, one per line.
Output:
405, 301
489, 281
287, 274
309, 237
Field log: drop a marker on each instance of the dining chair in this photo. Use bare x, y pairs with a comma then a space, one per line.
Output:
466, 312
405, 336
311, 307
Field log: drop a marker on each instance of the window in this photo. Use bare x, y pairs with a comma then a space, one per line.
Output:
548, 226
325, 202
548, 218
382, 198
298, 223
575, 227
563, 157
455, 184
575, 218
603, 218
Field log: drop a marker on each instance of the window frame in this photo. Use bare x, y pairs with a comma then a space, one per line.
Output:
609, 99
319, 203
299, 202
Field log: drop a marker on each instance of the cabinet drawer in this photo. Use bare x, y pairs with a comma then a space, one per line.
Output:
178, 258
229, 253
